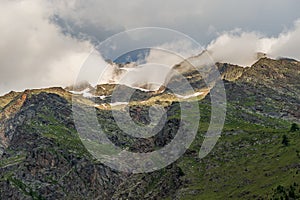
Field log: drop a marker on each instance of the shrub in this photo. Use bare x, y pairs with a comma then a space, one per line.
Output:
285, 140
294, 127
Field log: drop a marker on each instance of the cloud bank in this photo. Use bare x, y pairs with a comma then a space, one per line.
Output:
33, 51
43, 42
236, 47
200, 19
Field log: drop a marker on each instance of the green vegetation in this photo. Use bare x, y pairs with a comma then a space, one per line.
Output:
6, 162
248, 162
285, 140
27, 190
289, 192
55, 130
294, 127
244, 166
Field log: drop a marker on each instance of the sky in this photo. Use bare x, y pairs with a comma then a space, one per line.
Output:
45, 42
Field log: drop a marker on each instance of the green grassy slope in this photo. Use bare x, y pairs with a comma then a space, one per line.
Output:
248, 162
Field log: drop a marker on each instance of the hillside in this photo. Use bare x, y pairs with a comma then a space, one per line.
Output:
44, 158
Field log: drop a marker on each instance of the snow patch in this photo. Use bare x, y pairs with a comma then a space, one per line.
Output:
189, 96
118, 104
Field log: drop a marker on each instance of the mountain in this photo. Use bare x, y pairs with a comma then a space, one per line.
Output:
44, 158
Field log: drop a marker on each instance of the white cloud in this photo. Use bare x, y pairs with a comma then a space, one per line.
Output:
287, 44
172, 53
235, 47
33, 52
240, 47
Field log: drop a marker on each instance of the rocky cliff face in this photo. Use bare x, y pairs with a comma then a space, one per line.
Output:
269, 87
43, 157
